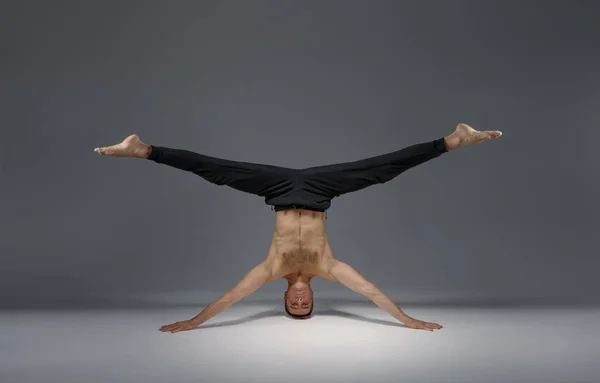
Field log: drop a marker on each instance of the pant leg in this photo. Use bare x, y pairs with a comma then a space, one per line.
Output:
334, 180
263, 180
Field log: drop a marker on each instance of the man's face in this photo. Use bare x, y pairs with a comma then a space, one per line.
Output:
298, 298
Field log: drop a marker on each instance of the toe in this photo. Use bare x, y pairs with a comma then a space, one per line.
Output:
491, 135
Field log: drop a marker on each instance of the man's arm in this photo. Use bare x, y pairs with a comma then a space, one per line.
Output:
259, 275
349, 277
352, 279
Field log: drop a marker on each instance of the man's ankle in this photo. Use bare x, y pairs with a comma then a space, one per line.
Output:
145, 152
451, 141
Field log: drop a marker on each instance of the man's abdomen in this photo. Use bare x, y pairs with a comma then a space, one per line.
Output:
299, 242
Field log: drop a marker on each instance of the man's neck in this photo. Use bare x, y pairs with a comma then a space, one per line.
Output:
297, 276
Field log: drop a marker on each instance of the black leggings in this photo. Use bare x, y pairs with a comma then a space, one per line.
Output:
311, 188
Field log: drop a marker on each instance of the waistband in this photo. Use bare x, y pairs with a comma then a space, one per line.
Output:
291, 207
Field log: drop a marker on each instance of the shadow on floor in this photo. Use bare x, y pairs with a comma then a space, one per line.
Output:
325, 311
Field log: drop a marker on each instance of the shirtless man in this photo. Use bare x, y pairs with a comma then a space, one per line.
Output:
300, 248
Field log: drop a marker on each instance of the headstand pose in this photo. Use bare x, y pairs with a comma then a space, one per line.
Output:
300, 247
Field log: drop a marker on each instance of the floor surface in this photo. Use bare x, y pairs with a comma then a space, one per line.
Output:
341, 343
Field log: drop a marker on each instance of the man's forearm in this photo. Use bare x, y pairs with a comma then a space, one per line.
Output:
385, 303
250, 283
214, 308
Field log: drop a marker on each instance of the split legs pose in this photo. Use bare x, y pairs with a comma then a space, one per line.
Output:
300, 248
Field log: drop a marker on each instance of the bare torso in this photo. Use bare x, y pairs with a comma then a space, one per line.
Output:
300, 245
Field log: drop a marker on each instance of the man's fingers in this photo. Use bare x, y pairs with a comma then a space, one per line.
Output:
176, 327
430, 326
168, 327
427, 326
422, 325
434, 325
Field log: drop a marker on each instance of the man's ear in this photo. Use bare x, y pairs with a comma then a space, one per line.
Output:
285, 295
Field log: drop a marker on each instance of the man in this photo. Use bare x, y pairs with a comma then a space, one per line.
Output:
300, 248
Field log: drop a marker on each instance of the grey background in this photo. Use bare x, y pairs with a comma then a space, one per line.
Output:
298, 84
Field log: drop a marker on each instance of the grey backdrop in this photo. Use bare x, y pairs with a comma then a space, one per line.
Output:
298, 84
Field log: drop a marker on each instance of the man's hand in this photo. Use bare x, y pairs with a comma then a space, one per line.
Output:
179, 326
421, 325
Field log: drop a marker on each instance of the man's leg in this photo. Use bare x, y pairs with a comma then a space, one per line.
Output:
258, 179
334, 180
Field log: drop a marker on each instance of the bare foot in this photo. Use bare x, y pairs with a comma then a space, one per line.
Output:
132, 146
465, 135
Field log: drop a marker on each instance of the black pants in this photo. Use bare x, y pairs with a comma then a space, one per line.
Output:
311, 188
